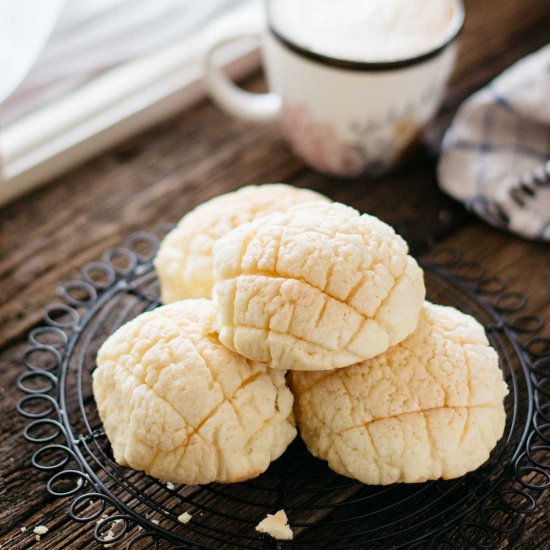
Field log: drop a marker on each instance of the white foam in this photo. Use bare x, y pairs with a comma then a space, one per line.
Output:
364, 30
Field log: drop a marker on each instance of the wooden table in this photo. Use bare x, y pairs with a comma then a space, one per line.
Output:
160, 175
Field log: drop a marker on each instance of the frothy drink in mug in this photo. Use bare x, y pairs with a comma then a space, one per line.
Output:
354, 81
364, 30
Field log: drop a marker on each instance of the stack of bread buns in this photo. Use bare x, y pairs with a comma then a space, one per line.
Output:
285, 309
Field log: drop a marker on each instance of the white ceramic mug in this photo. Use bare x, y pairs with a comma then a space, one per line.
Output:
344, 118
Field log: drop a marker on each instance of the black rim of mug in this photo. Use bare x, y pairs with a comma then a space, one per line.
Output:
455, 27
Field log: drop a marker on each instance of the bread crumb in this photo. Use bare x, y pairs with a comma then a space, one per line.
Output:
276, 526
170, 486
37, 538
109, 536
23, 529
185, 517
40, 530
155, 521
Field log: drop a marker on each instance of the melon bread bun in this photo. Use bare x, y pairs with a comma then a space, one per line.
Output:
430, 407
316, 287
178, 405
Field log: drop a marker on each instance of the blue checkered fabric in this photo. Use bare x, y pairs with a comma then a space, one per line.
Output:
496, 154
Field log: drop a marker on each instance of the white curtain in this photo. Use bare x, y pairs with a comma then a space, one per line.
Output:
48, 47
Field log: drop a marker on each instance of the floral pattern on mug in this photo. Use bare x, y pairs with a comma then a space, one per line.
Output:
318, 143
384, 143
373, 148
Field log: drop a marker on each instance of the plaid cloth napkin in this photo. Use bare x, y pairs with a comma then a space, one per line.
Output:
496, 154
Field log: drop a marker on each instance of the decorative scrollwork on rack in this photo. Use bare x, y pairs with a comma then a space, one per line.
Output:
44, 361
130, 508
518, 495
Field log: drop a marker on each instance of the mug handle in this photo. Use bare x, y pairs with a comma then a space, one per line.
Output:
232, 99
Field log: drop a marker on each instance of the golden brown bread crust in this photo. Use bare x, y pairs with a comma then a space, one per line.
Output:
177, 404
317, 287
428, 408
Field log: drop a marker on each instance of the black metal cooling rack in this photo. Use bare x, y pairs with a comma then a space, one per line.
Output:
325, 510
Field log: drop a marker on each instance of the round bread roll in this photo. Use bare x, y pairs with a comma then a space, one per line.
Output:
430, 407
317, 287
178, 405
184, 260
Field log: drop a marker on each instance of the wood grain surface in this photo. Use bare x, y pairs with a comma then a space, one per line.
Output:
158, 176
